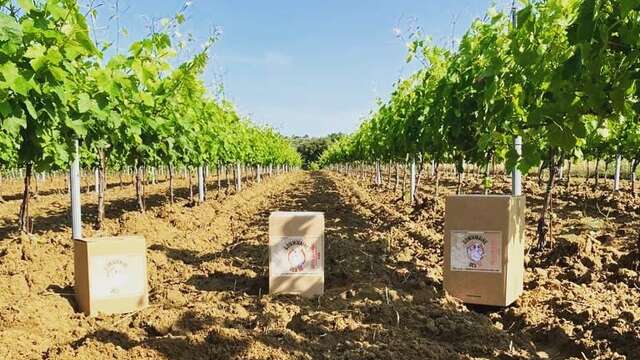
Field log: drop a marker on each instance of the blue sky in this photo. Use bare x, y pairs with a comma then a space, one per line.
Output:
303, 67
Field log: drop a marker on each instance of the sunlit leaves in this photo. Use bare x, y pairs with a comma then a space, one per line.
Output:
554, 78
9, 71
13, 124
77, 126
26, 5
85, 103
42, 50
10, 30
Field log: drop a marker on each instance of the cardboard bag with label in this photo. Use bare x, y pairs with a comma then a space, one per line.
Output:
296, 253
110, 274
484, 248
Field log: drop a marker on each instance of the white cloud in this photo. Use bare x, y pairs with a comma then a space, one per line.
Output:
277, 58
270, 58
306, 120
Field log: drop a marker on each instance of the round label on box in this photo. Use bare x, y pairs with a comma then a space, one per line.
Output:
476, 251
295, 255
117, 276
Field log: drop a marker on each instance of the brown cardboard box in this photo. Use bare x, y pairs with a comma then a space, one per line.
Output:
296, 253
110, 274
484, 248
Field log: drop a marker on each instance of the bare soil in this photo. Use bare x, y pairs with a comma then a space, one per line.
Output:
208, 269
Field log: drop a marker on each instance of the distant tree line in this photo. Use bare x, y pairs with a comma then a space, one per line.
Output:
310, 148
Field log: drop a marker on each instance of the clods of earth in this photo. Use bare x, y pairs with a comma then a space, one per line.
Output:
208, 266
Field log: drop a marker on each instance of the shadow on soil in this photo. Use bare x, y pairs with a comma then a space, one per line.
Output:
216, 345
59, 219
355, 318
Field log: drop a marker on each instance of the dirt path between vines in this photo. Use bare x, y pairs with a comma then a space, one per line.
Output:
208, 269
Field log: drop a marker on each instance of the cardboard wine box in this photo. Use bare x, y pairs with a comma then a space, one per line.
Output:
110, 274
296, 253
484, 248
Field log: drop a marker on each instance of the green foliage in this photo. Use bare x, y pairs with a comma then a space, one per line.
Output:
137, 109
311, 148
565, 79
42, 52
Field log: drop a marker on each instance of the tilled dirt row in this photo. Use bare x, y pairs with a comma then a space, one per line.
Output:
582, 292
207, 274
208, 270
37, 310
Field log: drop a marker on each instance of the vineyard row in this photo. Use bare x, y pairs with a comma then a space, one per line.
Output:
557, 81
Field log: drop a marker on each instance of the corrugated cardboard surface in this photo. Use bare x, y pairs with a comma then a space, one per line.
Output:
81, 275
301, 226
487, 213
515, 263
111, 262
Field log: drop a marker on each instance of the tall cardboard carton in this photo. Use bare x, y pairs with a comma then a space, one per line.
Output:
110, 274
484, 248
296, 253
